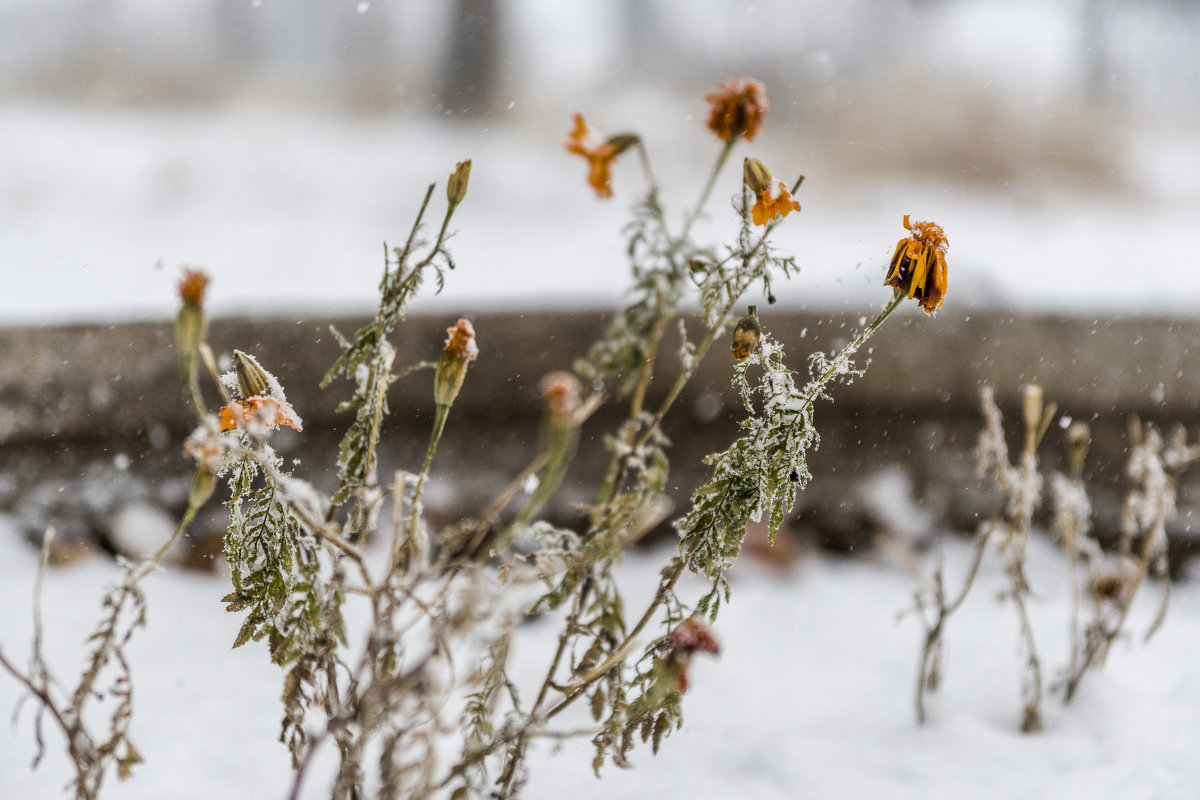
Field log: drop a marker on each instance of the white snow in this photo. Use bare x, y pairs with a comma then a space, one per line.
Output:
811, 696
287, 211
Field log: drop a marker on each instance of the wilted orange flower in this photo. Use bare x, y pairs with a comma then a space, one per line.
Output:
692, 635
773, 201
460, 350
460, 341
919, 264
259, 410
600, 154
738, 107
192, 286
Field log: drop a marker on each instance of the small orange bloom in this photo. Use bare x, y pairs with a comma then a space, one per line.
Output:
560, 393
259, 410
773, 201
919, 264
738, 107
600, 153
192, 286
460, 341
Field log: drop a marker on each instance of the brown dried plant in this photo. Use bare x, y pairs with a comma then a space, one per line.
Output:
430, 674
1019, 485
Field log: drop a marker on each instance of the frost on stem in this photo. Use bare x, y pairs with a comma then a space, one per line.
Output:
760, 473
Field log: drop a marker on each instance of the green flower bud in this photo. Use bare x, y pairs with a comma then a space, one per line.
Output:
253, 380
460, 350
756, 175
456, 186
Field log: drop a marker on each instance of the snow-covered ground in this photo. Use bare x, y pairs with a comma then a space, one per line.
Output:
287, 210
811, 696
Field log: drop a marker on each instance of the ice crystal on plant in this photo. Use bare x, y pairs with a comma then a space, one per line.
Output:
760, 473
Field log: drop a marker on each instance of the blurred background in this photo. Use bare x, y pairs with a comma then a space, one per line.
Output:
277, 144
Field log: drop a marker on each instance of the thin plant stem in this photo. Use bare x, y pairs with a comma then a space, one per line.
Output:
722, 157
439, 424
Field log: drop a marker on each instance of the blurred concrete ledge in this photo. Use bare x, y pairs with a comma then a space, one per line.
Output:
92, 416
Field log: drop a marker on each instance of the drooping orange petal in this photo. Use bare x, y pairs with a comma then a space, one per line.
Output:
584, 141
228, 422
768, 207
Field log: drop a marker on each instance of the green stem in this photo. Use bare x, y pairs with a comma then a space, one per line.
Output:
439, 424
854, 346
722, 157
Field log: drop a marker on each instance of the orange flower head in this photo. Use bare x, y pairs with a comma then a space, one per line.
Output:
460, 341
460, 350
261, 412
263, 405
919, 264
586, 142
773, 201
192, 286
737, 108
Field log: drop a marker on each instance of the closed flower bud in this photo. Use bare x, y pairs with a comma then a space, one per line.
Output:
1079, 439
252, 379
1031, 405
745, 336
623, 141
456, 186
756, 174
460, 350
561, 394
190, 322
203, 484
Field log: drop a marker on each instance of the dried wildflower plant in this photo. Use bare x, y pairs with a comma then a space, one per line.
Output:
1019, 485
423, 702
1108, 582
1111, 581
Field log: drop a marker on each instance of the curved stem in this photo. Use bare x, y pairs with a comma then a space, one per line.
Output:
852, 348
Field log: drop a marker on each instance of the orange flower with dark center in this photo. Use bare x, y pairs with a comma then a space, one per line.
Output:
773, 201
737, 108
259, 411
919, 264
599, 153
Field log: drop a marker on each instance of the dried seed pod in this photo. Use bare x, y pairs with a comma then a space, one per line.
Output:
745, 336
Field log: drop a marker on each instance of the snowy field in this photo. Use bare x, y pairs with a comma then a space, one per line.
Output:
811, 696
287, 210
